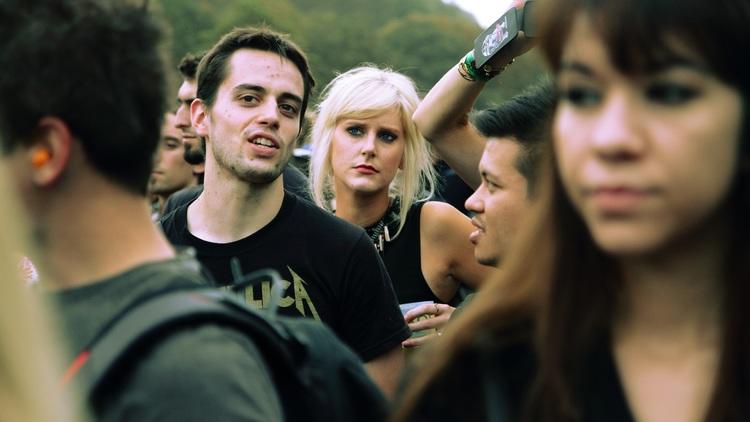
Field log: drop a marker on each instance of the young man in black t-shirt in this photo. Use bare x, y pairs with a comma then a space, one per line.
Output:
194, 146
253, 88
81, 107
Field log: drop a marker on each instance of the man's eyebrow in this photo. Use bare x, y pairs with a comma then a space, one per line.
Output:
260, 90
249, 87
290, 96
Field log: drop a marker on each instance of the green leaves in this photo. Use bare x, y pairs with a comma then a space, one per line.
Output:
421, 38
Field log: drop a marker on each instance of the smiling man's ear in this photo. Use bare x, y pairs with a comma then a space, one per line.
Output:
48, 151
199, 117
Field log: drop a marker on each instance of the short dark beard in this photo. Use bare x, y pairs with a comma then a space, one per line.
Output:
195, 156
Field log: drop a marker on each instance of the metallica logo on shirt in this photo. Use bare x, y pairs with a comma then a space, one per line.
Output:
331, 271
294, 294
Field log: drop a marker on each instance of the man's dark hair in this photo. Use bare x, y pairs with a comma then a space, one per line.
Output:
212, 69
526, 118
95, 65
188, 66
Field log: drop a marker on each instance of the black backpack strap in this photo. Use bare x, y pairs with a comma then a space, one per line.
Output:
152, 320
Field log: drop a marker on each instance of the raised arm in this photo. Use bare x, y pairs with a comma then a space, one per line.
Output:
443, 115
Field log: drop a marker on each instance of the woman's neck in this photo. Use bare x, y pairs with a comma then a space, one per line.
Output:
676, 297
668, 327
362, 210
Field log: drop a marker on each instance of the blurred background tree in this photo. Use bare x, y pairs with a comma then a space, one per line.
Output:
421, 38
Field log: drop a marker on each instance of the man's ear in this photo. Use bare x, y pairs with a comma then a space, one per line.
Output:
199, 117
48, 153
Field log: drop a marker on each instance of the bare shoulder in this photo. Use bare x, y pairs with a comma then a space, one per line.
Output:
440, 221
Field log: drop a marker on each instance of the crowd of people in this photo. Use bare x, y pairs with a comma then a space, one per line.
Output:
605, 250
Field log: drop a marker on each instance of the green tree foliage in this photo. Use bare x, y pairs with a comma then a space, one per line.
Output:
421, 38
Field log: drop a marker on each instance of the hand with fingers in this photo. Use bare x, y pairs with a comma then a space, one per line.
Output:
430, 318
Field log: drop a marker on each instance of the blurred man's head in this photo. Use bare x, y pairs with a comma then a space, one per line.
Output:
194, 146
516, 135
171, 173
66, 101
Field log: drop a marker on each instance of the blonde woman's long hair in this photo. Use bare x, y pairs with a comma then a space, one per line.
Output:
30, 370
361, 93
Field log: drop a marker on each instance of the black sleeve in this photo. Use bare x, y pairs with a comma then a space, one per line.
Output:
374, 322
181, 197
296, 182
208, 373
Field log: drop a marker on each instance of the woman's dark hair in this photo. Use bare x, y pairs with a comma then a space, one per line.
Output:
556, 281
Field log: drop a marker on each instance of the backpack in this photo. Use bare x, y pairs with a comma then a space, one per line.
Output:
317, 377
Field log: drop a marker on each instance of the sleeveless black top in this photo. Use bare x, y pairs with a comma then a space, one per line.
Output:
402, 258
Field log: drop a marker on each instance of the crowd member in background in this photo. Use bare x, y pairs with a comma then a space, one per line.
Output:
496, 151
30, 355
171, 172
253, 89
635, 307
372, 168
80, 125
195, 146
515, 135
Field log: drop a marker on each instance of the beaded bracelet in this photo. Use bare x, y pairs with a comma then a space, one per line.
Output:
464, 72
467, 70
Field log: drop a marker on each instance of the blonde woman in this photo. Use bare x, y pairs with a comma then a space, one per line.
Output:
372, 168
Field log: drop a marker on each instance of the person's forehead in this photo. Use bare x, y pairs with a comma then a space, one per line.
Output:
258, 67
169, 127
390, 118
499, 155
188, 89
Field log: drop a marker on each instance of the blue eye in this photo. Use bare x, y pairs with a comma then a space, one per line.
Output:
387, 137
580, 96
355, 131
670, 93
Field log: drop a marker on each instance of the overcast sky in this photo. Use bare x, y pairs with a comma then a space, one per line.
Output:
486, 11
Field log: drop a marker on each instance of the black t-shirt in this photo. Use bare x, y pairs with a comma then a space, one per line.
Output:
331, 272
209, 372
294, 181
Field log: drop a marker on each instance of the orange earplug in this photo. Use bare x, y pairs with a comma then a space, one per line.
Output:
40, 157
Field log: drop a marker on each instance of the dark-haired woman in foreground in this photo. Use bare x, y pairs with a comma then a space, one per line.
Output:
626, 296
